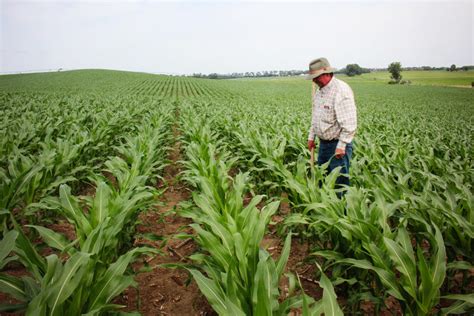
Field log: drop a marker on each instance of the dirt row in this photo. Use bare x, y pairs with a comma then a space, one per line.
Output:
166, 291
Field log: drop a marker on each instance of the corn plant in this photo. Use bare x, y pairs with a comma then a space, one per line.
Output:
414, 279
327, 305
23, 289
83, 284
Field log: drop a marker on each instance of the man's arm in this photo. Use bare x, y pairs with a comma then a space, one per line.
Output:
312, 129
346, 116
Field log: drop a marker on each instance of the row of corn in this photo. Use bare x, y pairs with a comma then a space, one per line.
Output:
83, 276
235, 273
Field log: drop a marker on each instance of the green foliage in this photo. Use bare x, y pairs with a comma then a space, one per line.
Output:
44, 157
411, 166
395, 70
354, 69
235, 274
404, 229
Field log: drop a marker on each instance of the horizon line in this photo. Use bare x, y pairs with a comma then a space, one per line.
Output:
192, 74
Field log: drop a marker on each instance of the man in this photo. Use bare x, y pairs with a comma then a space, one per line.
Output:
334, 119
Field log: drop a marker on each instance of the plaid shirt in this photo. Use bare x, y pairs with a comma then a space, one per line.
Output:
334, 113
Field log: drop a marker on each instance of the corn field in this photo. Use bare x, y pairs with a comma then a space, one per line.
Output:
91, 149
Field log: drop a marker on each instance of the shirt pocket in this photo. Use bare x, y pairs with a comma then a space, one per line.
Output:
327, 114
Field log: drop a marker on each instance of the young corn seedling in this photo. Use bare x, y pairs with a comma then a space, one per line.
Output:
82, 284
418, 277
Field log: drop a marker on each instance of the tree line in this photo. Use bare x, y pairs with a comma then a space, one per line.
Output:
257, 74
350, 70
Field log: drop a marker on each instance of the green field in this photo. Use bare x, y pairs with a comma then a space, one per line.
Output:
435, 78
106, 175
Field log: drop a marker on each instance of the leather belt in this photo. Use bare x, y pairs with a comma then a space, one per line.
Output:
323, 141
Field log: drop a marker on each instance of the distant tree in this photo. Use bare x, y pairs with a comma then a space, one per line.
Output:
452, 68
395, 70
353, 69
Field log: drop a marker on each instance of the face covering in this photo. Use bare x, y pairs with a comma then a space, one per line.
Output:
323, 80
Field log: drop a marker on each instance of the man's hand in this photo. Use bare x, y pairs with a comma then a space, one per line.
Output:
340, 152
310, 144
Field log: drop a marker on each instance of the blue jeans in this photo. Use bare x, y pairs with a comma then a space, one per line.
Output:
326, 153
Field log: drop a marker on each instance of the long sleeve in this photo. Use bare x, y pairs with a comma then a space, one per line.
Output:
312, 129
346, 116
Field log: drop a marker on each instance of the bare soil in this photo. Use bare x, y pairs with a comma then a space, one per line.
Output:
166, 291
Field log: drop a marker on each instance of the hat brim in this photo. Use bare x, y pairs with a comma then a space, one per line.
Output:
319, 73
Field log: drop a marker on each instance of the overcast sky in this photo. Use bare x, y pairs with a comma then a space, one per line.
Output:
232, 36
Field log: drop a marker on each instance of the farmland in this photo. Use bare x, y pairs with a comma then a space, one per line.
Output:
434, 77
119, 189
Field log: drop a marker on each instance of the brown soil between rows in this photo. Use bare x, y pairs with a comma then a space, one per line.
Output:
163, 290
